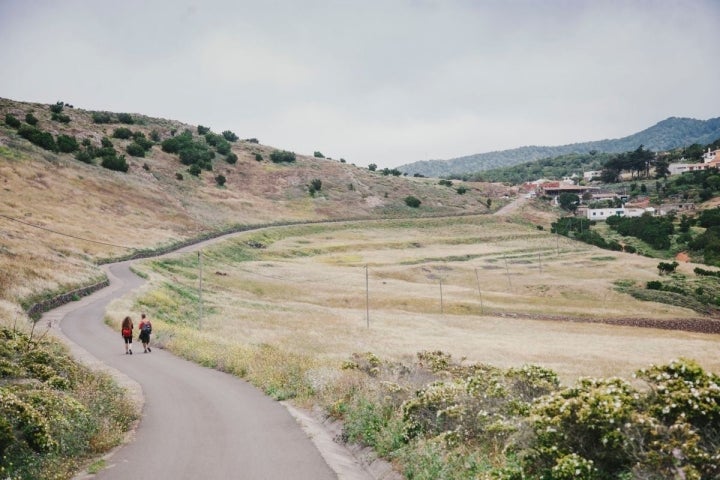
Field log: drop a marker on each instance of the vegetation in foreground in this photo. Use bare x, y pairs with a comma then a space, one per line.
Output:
54, 413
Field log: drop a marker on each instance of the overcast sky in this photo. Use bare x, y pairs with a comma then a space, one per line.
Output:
374, 81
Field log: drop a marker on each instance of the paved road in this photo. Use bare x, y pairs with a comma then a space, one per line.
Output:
197, 423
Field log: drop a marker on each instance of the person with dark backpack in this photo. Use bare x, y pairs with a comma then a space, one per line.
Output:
126, 330
145, 331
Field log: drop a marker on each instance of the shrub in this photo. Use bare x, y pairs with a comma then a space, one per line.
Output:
372, 167
155, 136
113, 162
318, 155
282, 156
122, 132
146, 167
223, 148
125, 118
258, 157
213, 139
135, 150
665, 268
231, 158
252, 140
447, 183
220, 180
106, 143
203, 130
11, 121
143, 142
194, 170
67, 144
315, 186
31, 119
57, 108
38, 137
461, 190
84, 156
178, 176
412, 201
102, 117
60, 117
229, 136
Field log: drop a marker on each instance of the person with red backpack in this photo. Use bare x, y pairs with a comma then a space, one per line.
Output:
126, 330
145, 331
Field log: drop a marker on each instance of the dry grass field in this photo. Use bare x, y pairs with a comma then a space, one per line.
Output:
440, 284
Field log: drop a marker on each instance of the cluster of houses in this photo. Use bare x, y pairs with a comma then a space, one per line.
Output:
593, 194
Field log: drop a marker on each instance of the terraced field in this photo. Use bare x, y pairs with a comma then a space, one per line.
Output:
489, 289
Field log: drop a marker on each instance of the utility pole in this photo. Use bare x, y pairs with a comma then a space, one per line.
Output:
477, 277
367, 298
200, 294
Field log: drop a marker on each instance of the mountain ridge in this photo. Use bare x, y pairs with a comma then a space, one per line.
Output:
673, 132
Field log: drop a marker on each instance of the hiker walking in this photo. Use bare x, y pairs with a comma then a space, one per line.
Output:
145, 331
127, 331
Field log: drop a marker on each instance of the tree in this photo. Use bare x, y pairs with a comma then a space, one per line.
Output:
568, 201
662, 167
203, 130
372, 167
318, 155
220, 180
229, 136
412, 202
282, 156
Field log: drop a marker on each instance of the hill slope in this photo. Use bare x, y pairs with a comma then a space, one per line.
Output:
668, 134
103, 213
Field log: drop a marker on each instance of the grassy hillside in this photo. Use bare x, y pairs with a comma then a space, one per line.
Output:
150, 205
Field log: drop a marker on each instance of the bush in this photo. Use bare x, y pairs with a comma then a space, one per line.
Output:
31, 119
412, 202
84, 156
194, 170
446, 183
223, 148
372, 167
125, 118
122, 133
203, 130
67, 144
102, 117
258, 157
282, 156
178, 176
57, 108
230, 136
38, 137
318, 155
252, 140
220, 180
113, 162
106, 143
315, 186
135, 150
461, 190
231, 158
155, 136
11, 121
60, 117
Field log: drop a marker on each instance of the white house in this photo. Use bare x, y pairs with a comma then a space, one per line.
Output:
590, 174
603, 213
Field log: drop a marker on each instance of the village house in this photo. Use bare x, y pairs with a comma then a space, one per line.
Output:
710, 159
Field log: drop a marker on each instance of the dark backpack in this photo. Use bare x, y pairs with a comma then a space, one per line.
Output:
147, 328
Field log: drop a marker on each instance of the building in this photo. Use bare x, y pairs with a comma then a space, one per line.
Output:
710, 159
602, 214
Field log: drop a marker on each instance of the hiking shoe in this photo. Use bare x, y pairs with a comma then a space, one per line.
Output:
130, 352
149, 349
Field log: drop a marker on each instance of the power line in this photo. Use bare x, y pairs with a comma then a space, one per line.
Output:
65, 234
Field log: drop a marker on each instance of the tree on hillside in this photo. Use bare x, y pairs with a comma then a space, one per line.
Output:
568, 201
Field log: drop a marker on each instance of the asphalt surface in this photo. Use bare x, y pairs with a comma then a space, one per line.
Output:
197, 423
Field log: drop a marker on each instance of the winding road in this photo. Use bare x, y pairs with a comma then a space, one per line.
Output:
197, 423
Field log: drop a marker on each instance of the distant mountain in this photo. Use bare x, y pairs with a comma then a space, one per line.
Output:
671, 133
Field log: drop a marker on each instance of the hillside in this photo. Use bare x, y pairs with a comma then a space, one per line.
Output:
104, 213
668, 134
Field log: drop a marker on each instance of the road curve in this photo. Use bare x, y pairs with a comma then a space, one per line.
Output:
197, 423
